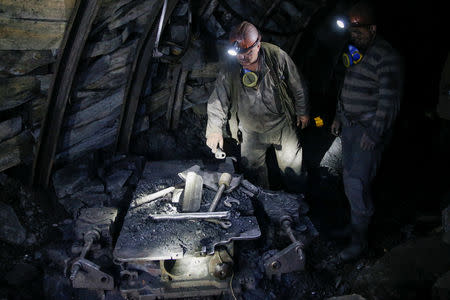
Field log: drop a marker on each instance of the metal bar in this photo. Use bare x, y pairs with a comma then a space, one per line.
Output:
136, 80
160, 25
192, 216
77, 31
216, 199
154, 196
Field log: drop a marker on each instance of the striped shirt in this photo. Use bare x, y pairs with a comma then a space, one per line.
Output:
372, 89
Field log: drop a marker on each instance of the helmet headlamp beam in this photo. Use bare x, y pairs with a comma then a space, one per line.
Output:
235, 49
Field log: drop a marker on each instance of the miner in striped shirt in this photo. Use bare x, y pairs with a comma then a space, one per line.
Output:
367, 106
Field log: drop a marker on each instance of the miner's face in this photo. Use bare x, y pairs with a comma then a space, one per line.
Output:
361, 34
249, 57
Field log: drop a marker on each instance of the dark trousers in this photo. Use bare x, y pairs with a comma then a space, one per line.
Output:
359, 170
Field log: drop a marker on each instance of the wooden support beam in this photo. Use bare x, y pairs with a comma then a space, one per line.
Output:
72, 46
176, 72
179, 96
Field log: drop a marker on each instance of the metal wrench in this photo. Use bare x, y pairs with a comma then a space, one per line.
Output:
229, 200
223, 224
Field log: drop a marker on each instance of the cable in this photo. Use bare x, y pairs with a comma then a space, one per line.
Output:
231, 286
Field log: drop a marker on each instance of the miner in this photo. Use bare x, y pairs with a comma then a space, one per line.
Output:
261, 96
367, 107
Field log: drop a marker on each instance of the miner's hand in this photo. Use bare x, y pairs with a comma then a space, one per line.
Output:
213, 140
367, 143
303, 121
336, 128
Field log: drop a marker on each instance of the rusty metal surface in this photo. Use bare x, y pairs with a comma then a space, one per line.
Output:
77, 31
137, 78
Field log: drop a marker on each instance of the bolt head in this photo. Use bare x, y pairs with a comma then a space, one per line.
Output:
275, 265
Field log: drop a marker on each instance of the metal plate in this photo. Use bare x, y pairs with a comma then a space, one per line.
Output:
143, 239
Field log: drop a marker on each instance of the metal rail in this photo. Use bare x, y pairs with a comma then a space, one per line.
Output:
136, 79
77, 31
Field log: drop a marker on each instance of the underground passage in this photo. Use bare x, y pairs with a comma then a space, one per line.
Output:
224, 149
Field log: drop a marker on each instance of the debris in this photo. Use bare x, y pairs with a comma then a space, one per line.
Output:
70, 179
11, 230
21, 273
116, 180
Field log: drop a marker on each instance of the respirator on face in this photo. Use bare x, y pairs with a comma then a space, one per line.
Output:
352, 57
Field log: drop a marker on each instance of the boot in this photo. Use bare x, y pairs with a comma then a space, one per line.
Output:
357, 245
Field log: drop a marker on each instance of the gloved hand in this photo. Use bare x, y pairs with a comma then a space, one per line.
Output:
367, 143
303, 121
336, 128
213, 140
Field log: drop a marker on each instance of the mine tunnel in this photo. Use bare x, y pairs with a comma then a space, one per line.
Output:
109, 187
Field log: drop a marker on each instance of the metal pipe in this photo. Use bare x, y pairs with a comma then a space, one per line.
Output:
224, 181
216, 199
156, 52
156, 195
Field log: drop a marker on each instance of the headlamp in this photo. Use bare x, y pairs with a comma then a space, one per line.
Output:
340, 23
235, 49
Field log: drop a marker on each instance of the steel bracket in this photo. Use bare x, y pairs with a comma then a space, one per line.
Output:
289, 259
89, 276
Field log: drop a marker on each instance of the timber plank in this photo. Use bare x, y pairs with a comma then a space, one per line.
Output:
17, 90
124, 14
101, 139
37, 9
74, 135
30, 35
97, 111
15, 150
38, 108
20, 62
10, 128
